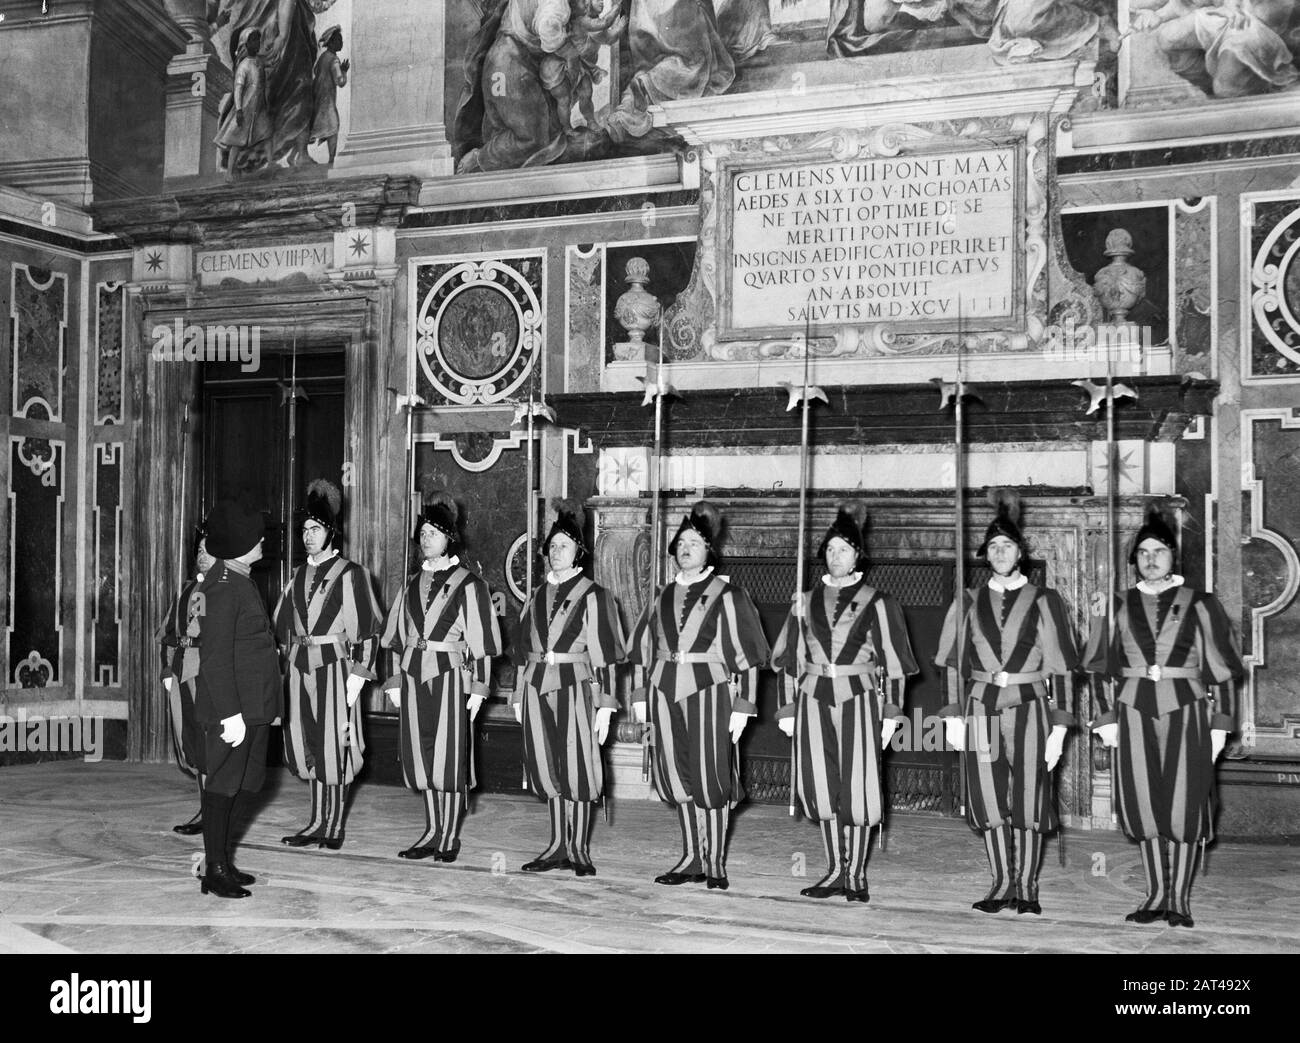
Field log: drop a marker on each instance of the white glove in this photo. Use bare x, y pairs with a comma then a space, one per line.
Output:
603, 714
639, 714
233, 729
518, 709
1218, 739
394, 697
1108, 734
786, 724
954, 730
169, 683
737, 725
354, 684
887, 728
1055, 744
798, 606
474, 704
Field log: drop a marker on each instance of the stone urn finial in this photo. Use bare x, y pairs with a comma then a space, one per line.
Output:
1120, 285
636, 310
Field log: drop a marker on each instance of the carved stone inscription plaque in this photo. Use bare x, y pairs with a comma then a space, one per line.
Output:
921, 240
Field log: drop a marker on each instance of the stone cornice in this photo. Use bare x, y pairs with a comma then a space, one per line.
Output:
249, 213
1000, 91
900, 414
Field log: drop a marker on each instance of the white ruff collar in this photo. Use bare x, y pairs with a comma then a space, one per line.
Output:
683, 581
1002, 586
556, 578
1168, 583
317, 560
843, 581
439, 564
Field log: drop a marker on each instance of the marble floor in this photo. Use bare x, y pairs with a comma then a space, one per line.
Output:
89, 864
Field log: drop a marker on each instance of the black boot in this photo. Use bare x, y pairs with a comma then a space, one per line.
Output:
217, 879
237, 807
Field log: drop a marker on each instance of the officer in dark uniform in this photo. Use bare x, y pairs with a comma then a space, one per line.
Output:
179, 638
238, 690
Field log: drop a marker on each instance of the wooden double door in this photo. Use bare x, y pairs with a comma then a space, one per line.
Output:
267, 433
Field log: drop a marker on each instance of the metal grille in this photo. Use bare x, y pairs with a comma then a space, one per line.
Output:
767, 781
925, 789
770, 581
913, 582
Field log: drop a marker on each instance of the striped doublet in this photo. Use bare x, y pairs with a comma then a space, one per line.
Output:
1166, 649
1175, 663
445, 633
328, 621
567, 645
1016, 641
832, 663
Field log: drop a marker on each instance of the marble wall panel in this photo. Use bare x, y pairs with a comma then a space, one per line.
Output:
38, 310
110, 373
106, 600
34, 629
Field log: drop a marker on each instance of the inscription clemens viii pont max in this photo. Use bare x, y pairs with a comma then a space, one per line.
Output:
908, 239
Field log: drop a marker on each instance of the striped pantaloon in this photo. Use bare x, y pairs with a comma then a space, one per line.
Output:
560, 752
838, 760
695, 759
1007, 783
1164, 774
322, 738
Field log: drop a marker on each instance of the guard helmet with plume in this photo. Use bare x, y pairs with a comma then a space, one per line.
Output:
706, 520
569, 521
439, 510
324, 505
1156, 527
850, 519
1005, 523
200, 534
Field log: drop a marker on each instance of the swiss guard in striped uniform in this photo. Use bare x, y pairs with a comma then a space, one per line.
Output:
328, 623
179, 638
697, 652
1174, 661
845, 657
445, 633
1018, 653
567, 645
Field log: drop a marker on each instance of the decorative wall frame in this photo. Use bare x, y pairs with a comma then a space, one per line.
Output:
1270, 291
1270, 579
477, 327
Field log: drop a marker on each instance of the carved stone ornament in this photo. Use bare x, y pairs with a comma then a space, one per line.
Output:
637, 310
1119, 285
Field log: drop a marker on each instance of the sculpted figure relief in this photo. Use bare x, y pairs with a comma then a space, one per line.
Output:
1017, 30
1228, 48
287, 56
